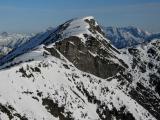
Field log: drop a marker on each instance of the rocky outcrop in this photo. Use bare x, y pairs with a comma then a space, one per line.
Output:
89, 57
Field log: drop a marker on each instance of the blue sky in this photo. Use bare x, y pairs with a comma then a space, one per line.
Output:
37, 15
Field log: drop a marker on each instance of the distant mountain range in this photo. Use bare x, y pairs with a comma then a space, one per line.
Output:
123, 37
9, 41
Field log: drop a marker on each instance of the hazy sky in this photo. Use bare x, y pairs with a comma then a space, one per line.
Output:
37, 15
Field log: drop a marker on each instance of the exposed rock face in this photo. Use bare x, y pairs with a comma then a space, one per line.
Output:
82, 56
93, 27
147, 98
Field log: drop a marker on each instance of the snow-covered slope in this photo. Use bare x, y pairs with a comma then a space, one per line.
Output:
54, 89
73, 72
144, 61
9, 41
128, 36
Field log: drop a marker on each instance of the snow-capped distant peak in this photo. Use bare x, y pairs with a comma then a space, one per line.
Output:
4, 34
10, 41
123, 37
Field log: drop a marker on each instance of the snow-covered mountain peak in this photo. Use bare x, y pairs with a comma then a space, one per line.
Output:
78, 27
88, 17
72, 72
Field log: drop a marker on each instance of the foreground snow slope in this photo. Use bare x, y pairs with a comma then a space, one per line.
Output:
52, 88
